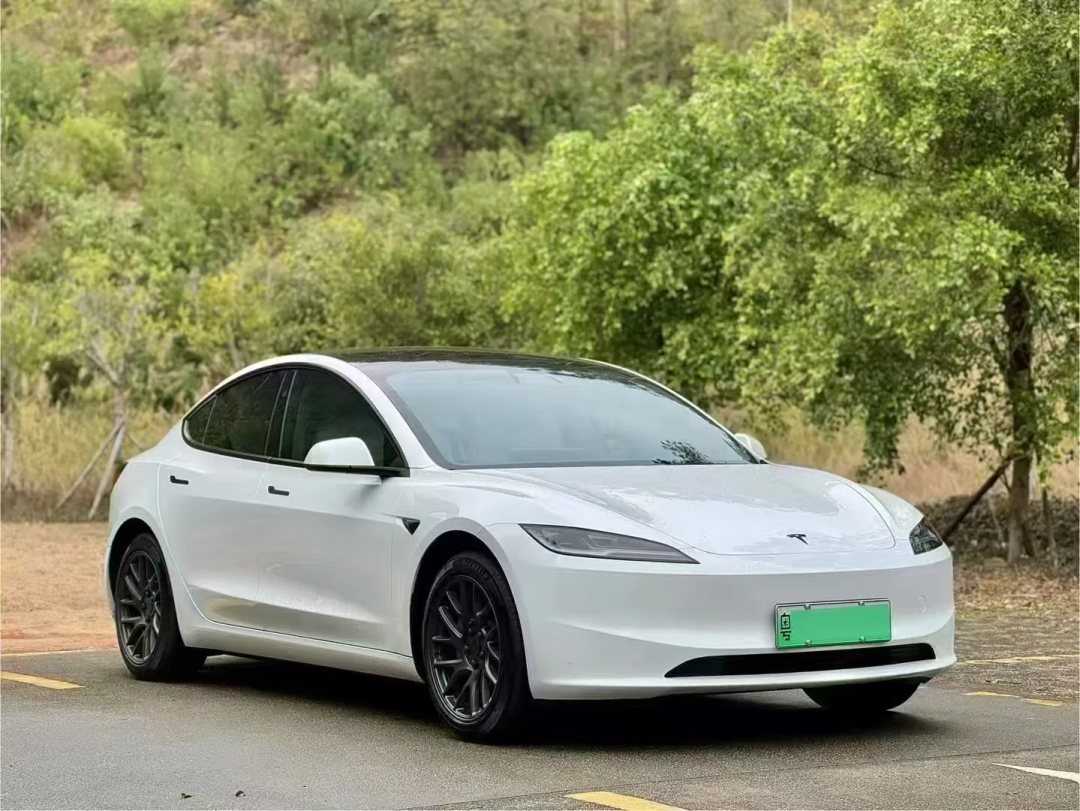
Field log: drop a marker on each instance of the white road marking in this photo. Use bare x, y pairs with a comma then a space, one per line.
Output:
1074, 776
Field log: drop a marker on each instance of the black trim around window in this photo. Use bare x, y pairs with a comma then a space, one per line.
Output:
290, 379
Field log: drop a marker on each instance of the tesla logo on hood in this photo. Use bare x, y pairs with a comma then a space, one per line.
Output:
798, 535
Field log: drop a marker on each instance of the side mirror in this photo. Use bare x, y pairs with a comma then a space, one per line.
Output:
752, 444
349, 451
350, 454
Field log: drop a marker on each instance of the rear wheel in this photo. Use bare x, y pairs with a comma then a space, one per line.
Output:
863, 699
474, 657
145, 617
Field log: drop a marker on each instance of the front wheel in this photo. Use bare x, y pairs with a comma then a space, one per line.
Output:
145, 616
474, 657
870, 698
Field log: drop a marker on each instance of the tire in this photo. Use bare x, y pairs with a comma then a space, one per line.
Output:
490, 646
871, 698
156, 652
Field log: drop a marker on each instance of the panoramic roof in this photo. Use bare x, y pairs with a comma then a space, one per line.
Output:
428, 356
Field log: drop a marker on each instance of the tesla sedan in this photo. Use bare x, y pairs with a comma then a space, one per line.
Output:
509, 528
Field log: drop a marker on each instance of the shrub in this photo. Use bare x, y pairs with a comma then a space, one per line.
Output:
152, 21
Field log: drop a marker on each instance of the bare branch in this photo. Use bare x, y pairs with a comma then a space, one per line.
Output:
95, 357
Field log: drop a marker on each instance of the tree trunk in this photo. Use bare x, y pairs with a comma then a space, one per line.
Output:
1019, 497
1051, 541
7, 417
86, 470
110, 466
1017, 312
620, 26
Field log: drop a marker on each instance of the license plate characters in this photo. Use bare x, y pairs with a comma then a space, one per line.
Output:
815, 625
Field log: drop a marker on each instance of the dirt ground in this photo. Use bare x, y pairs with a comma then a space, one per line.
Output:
51, 592
52, 599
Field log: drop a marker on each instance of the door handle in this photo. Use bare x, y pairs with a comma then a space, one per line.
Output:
175, 480
275, 492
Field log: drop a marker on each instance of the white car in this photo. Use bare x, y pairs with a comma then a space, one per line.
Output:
507, 528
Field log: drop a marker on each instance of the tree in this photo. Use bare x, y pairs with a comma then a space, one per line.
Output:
110, 299
27, 314
925, 258
871, 227
619, 248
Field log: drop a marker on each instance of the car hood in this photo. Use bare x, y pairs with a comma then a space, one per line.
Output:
730, 509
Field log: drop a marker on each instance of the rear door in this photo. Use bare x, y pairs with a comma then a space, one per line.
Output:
324, 557
207, 497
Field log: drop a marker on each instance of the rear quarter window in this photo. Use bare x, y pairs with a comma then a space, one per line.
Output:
197, 420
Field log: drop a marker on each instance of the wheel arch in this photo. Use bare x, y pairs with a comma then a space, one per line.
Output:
438, 552
127, 532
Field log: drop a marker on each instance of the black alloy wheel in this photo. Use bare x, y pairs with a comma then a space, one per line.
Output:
473, 652
146, 626
464, 649
139, 607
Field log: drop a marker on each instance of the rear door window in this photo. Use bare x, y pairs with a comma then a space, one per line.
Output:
240, 417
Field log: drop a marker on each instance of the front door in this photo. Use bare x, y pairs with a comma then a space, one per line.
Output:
324, 557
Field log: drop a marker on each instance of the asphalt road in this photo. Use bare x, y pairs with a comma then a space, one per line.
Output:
260, 735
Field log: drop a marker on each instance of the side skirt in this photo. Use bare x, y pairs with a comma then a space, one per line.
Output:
269, 645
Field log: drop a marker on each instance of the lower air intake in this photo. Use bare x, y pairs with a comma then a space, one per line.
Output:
763, 664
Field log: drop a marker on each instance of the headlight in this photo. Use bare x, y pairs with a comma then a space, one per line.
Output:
592, 544
924, 538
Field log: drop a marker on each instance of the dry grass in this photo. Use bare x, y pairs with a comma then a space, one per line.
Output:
51, 592
55, 443
931, 472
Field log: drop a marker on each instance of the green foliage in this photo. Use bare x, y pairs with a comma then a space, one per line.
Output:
348, 132
361, 277
32, 93
203, 198
870, 214
152, 21
620, 247
837, 223
98, 150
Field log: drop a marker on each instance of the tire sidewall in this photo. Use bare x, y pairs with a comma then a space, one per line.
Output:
170, 632
512, 691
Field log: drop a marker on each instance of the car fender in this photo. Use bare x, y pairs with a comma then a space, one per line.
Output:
136, 488
407, 563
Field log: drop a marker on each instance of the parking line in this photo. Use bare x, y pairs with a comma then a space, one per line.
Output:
38, 681
51, 652
1042, 702
1074, 776
621, 801
1019, 660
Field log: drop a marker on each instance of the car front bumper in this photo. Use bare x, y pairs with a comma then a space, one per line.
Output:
605, 629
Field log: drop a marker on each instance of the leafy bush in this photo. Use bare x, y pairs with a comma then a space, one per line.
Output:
99, 149
152, 21
348, 133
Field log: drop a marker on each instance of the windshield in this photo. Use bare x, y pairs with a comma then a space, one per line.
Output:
508, 416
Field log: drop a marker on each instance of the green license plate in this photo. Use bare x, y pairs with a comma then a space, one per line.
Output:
814, 625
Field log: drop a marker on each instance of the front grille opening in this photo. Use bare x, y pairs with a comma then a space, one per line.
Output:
763, 664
